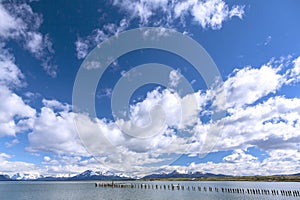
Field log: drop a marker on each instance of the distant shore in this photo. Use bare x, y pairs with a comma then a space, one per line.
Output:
235, 178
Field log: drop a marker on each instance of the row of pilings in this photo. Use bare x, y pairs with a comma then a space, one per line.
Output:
250, 191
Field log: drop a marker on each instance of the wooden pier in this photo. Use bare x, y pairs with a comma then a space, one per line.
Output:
177, 187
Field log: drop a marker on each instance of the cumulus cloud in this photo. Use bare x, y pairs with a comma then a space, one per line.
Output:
11, 167
271, 125
239, 156
247, 85
15, 113
54, 131
250, 167
254, 119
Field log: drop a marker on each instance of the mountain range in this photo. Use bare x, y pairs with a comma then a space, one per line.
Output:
108, 175
98, 175
86, 175
176, 174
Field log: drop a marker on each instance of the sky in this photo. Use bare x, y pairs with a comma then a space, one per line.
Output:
45, 47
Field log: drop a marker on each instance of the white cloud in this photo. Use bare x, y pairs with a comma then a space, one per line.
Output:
15, 115
163, 13
4, 156
84, 45
209, 14
117, 151
107, 92
10, 74
11, 167
82, 48
8, 23
251, 166
54, 104
239, 156
34, 42
12, 143
293, 74
20, 23
268, 40
174, 77
272, 125
55, 132
47, 158
296, 69
247, 85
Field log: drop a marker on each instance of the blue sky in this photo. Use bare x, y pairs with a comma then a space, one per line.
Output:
254, 44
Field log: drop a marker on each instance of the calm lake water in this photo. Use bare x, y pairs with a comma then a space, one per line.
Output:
87, 190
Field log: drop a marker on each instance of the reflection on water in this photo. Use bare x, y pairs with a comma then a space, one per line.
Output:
187, 190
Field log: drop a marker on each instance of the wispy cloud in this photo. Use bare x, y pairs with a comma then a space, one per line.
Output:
164, 13
268, 40
20, 23
208, 14
84, 45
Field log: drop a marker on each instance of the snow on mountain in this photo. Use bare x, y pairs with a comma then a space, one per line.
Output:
99, 175
25, 176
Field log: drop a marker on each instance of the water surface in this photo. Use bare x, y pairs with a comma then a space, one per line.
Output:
87, 190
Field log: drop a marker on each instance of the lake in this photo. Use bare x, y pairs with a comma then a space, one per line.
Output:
188, 190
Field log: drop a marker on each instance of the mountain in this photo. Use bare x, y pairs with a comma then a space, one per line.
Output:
109, 175
105, 175
4, 178
176, 174
87, 175
97, 175
25, 176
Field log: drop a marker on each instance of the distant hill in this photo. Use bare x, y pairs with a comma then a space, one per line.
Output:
49, 178
176, 174
4, 178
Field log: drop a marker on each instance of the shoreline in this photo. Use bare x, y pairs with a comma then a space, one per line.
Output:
233, 178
